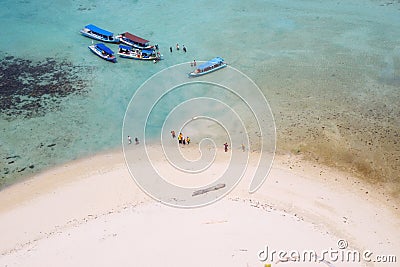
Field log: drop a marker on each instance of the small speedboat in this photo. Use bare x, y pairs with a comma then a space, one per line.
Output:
209, 66
99, 34
140, 54
103, 51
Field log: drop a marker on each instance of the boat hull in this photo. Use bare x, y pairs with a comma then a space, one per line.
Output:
138, 54
109, 58
136, 57
194, 74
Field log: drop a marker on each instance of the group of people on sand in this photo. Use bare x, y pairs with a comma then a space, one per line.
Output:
130, 140
181, 139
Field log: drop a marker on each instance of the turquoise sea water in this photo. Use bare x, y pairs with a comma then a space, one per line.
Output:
330, 70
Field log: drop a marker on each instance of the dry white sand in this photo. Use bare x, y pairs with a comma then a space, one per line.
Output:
91, 213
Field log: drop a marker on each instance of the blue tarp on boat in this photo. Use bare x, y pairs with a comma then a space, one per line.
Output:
125, 47
210, 63
96, 29
104, 48
147, 51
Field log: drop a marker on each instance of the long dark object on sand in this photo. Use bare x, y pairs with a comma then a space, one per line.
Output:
212, 188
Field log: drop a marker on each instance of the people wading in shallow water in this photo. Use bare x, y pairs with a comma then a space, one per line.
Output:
136, 141
129, 140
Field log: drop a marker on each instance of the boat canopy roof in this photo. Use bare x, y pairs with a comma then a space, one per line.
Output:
96, 29
216, 60
147, 51
105, 48
125, 47
135, 38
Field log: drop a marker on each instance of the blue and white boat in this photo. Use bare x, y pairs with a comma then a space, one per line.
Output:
134, 41
140, 54
209, 66
99, 34
103, 51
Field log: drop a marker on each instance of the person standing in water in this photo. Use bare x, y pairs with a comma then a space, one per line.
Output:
184, 48
136, 140
177, 46
173, 134
129, 139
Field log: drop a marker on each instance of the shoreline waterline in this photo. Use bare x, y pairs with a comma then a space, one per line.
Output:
75, 170
391, 189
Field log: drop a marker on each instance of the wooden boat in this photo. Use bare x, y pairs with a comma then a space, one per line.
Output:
99, 34
103, 51
209, 66
140, 54
134, 41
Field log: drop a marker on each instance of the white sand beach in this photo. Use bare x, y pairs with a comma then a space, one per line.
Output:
91, 213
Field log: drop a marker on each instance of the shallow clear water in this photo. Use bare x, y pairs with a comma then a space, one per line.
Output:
330, 70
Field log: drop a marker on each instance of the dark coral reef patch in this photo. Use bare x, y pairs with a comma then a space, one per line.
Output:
30, 89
